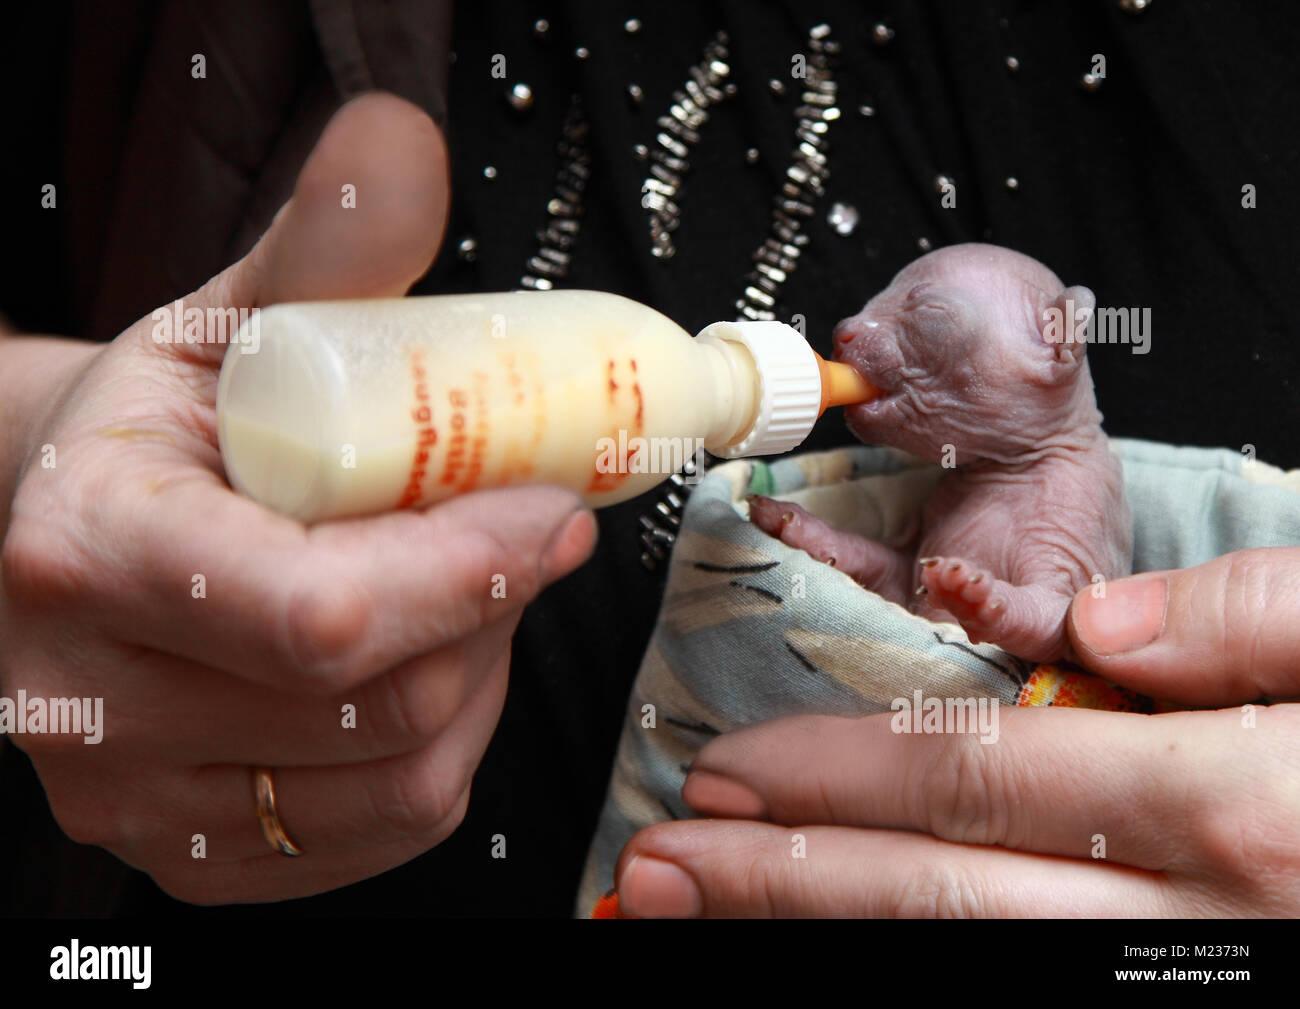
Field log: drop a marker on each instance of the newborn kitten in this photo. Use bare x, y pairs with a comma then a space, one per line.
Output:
1035, 506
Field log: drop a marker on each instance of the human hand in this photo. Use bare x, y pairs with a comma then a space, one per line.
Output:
393, 614
1199, 811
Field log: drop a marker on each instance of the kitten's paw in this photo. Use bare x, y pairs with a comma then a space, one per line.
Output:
798, 528
967, 591
872, 565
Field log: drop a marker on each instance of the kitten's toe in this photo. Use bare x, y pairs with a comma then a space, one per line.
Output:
965, 590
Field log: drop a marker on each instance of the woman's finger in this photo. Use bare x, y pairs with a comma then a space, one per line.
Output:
202, 716
272, 876
213, 577
194, 826
715, 868
366, 218
1224, 632
355, 806
1062, 781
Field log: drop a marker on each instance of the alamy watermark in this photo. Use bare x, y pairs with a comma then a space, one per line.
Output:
175, 323
624, 454
949, 715
75, 962
77, 716
1129, 326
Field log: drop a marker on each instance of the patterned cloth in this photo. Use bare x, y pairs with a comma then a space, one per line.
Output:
751, 629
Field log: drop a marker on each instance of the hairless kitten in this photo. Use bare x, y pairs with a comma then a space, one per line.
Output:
971, 374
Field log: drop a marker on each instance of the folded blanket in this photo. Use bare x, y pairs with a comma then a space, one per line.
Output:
751, 629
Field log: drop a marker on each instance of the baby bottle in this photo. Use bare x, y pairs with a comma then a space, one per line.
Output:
353, 407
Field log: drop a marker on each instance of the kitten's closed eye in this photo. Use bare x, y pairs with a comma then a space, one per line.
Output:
915, 295
925, 297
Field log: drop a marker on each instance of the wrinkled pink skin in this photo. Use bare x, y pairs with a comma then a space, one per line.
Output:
1034, 507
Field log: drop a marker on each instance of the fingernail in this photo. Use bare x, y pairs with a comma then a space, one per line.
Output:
570, 546
653, 888
716, 795
1130, 615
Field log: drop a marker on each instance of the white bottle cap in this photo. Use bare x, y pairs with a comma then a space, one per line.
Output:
790, 385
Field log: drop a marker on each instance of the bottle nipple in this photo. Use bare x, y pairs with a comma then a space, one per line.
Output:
843, 384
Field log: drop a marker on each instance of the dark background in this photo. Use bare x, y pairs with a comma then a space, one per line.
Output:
1133, 189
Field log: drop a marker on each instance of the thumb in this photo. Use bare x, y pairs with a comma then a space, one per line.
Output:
1224, 632
365, 220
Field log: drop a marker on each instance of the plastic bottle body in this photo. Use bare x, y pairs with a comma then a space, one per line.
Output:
350, 408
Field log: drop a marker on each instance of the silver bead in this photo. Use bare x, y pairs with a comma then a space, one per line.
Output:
866, 111
751, 156
520, 97
635, 93
489, 172
923, 244
941, 182
1013, 64
881, 33
843, 218
451, 57
641, 151
540, 27
632, 25
831, 114
776, 87
1134, 6
1012, 183
467, 249
1090, 81
582, 52
729, 89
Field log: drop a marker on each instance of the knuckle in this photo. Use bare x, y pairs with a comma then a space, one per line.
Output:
1251, 586
452, 821
493, 556
475, 556
1246, 840
416, 703
326, 624
415, 801
760, 883
963, 793
35, 569
1219, 838
936, 889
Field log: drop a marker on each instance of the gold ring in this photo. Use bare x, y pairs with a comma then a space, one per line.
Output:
264, 797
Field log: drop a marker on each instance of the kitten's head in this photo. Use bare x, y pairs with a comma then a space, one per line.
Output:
964, 343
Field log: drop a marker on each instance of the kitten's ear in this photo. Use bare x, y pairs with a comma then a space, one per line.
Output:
1064, 325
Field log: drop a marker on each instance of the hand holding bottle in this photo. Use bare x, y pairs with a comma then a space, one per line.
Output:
221, 635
